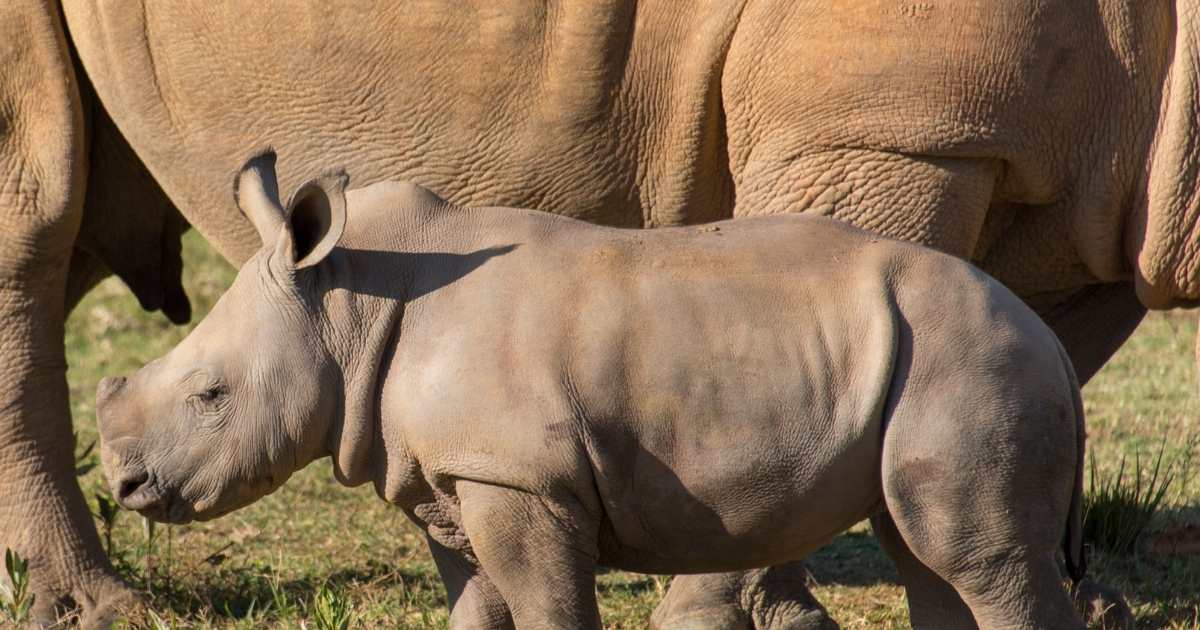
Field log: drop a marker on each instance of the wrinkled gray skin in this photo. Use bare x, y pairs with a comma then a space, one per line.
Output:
682, 400
1053, 143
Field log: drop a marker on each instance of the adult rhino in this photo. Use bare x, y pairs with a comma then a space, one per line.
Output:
1052, 143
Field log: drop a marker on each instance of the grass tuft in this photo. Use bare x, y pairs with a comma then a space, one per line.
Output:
106, 512
1120, 506
331, 609
16, 601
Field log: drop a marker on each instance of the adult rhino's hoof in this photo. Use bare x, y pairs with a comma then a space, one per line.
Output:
105, 603
1103, 606
730, 618
94, 603
774, 598
704, 619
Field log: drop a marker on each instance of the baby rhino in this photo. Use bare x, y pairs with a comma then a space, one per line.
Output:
543, 395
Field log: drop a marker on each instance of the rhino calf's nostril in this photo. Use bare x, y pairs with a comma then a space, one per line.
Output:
129, 485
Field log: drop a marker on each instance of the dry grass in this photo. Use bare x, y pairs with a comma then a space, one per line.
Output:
264, 565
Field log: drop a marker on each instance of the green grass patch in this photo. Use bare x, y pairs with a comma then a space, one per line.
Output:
315, 550
16, 601
1120, 507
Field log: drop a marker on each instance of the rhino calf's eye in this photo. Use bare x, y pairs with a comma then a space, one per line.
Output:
208, 401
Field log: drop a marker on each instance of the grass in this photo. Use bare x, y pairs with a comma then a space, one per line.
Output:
1120, 507
16, 602
318, 555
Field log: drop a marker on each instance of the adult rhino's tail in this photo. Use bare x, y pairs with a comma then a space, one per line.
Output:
1073, 549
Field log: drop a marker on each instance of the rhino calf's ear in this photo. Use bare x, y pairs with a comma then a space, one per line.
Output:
256, 192
316, 218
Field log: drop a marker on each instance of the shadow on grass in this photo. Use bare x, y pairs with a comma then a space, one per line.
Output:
1161, 576
254, 591
852, 559
1163, 589
634, 584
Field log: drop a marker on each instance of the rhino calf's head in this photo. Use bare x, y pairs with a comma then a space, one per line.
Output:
246, 399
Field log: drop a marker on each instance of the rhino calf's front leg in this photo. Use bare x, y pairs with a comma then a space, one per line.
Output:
475, 604
540, 553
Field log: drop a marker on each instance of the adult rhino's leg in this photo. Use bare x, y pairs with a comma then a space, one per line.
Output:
43, 515
129, 227
1093, 323
85, 272
774, 598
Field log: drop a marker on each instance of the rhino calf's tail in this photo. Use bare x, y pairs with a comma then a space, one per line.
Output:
1073, 550
1103, 606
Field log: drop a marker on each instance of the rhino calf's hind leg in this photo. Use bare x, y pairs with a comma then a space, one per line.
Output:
932, 601
985, 504
1001, 560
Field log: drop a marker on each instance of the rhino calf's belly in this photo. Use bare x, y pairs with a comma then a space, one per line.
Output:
736, 519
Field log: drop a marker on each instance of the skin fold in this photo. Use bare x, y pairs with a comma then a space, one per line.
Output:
1053, 144
684, 400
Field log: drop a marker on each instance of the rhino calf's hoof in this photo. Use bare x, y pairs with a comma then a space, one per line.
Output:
1102, 606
